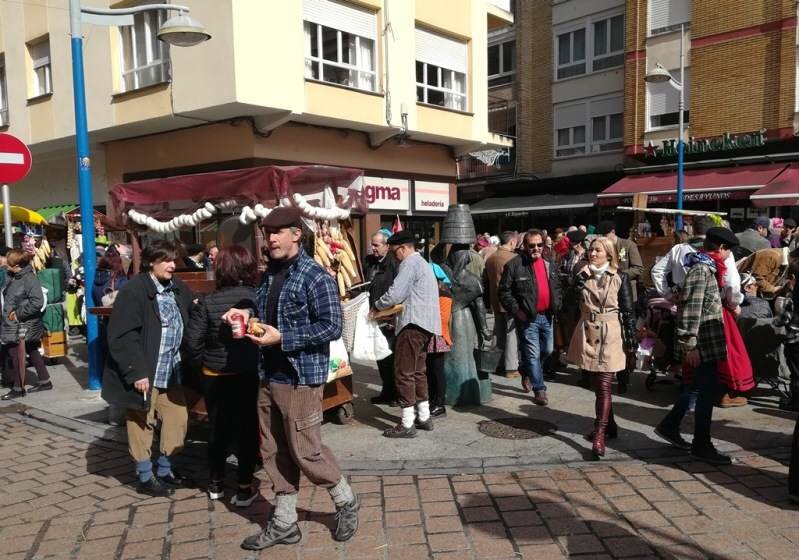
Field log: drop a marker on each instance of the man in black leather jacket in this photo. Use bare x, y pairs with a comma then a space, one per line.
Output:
530, 291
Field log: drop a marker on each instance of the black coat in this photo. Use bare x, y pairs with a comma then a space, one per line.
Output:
23, 295
519, 290
134, 336
209, 342
381, 273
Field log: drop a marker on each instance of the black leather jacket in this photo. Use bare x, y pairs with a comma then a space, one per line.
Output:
626, 308
518, 289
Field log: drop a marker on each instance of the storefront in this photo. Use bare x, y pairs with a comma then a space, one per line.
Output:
520, 213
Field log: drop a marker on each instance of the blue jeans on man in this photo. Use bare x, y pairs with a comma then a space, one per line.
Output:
536, 343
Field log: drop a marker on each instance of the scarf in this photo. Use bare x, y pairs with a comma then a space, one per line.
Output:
712, 260
598, 271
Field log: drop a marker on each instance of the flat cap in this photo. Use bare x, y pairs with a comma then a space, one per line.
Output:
576, 236
762, 221
789, 222
402, 237
605, 227
722, 235
283, 217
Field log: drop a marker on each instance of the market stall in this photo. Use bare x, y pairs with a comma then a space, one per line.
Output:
235, 200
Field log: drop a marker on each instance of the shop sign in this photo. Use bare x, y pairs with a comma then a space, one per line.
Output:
691, 196
430, 196
737, 213
756, 212
724, 143
387, 194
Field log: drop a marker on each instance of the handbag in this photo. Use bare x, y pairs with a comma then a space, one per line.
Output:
110, 294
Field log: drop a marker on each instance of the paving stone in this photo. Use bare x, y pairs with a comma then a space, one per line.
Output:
447, 541
453, 524
581, 544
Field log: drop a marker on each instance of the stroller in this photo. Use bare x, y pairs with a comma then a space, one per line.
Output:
656, 338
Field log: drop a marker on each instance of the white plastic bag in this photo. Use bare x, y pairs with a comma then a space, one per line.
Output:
369, 344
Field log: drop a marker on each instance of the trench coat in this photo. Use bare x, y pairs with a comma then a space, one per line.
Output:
606, 327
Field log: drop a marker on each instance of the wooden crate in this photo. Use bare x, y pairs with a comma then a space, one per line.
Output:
54, 344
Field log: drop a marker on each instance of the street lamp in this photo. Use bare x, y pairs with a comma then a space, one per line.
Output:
179, 31
659, 75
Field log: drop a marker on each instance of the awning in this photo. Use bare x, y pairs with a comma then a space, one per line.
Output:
782, 191
534, 203
54, 214
21, 214
698, 184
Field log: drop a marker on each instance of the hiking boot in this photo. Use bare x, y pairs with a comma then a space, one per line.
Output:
347, 520
427, 425
216, 490
708, 454
155, 488
527, 385
540, 398
272, 535
728, 401
244, 497
400, 431
673, 437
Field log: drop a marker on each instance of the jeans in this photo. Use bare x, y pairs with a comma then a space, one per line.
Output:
705, 390
536, 342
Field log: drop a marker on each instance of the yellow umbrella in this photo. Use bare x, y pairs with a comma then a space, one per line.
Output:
20, 214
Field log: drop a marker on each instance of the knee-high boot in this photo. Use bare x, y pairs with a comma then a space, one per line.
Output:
602, 388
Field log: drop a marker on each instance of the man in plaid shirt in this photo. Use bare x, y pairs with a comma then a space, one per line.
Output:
701, 344
300, 313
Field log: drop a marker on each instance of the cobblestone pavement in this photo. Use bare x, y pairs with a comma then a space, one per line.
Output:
64, 498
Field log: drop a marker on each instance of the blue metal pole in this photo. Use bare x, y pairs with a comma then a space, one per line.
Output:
680, 146
680, 141
85, 193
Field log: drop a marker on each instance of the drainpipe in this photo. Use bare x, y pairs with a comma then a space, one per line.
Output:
377, 139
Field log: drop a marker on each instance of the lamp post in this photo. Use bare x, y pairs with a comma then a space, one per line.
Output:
181, 31
659, 75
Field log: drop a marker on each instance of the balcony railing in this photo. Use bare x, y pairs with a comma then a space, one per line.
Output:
501, 120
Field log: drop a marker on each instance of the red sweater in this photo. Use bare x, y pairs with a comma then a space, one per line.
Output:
542, 281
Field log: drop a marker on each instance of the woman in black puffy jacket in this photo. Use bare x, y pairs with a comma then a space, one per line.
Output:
229, 367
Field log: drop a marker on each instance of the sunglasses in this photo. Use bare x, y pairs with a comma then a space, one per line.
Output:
534, 245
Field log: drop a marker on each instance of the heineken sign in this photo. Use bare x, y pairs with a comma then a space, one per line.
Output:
724, 143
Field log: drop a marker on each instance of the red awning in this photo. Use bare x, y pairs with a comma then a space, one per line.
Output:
782, 191
698, 184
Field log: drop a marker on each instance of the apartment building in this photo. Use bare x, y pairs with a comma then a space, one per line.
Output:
395, 87
740, 106
560, 95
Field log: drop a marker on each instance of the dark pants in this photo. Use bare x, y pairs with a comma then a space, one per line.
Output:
705, 386
792, 360
410, 365
436, 380
290, 418
231, 402
32, 351
386, 369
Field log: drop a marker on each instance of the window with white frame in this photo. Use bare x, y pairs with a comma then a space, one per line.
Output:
340, 44
145, 58
3, 92
668, 15
663, 101
501, 63
42, 71
441, 65
608, 43
607, 124
570, 130
571, 53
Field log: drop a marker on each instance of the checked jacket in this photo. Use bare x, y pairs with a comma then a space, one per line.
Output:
699, 316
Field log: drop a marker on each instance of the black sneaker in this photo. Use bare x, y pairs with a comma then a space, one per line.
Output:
438, 411
13, 394
347, 520
272, 535
673, 437
216, 490
244, 497
174, 478
708, 454
791, 404
155, 488
46, 386
399, 431
427, 425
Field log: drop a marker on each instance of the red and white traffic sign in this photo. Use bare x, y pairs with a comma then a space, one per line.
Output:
15, 159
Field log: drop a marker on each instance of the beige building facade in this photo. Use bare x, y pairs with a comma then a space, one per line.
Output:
395, 87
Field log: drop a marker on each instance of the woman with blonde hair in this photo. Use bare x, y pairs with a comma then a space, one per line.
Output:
605, 332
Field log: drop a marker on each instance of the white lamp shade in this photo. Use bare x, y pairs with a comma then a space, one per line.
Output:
183, 31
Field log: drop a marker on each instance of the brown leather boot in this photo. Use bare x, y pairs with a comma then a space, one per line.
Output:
602, 388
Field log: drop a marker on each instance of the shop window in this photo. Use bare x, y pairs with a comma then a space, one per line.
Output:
501, 63
145, 58
42, 71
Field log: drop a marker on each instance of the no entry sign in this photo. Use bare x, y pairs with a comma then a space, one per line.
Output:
15, 159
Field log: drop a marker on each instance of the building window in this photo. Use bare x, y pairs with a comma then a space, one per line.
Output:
571, 141
668, 15
607, 133
501, 63
571, 54
441, 65
3, 92
42, 72
663, 101
145, 58
339, 57
608, 43
590, 127
340, 44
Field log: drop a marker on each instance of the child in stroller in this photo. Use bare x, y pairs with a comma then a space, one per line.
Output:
656, 338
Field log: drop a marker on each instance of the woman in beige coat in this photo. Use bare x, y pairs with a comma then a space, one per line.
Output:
605, 332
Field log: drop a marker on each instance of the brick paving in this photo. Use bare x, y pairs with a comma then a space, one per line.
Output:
64, 498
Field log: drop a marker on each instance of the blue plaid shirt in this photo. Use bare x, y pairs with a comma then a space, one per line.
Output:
171, 335
308, 317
